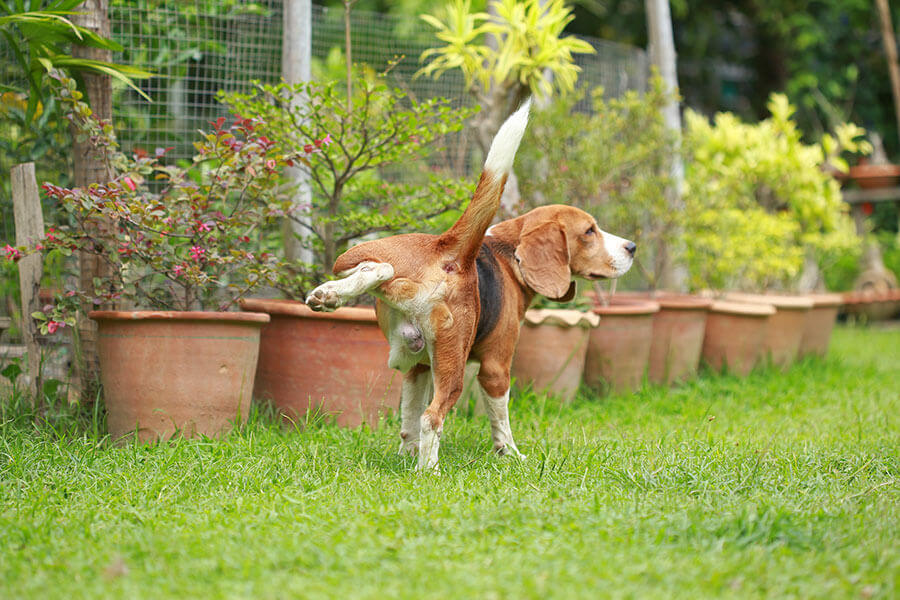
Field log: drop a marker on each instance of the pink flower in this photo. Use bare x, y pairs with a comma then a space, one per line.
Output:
270, 164
326, 141
206, 226
197, 252
178, 270
12, 253
52, 326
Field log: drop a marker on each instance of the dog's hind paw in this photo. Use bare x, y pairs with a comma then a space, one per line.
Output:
323, 299
409, 448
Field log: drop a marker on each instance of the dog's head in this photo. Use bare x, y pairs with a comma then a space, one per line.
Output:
556, 243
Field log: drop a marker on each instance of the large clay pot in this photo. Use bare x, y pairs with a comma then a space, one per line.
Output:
551, 350
786, 326
324, 363
619, 347
736, 335
176, 372
819, 324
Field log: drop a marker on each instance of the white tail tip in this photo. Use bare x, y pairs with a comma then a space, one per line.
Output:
506, 142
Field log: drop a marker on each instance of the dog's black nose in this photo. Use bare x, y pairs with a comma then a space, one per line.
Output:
630, 247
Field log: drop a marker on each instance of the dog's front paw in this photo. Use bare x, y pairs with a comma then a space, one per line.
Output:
510, 451
323, 299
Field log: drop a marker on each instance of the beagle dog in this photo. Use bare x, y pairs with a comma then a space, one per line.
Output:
443, 300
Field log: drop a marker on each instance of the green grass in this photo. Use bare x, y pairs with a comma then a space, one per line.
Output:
775, 485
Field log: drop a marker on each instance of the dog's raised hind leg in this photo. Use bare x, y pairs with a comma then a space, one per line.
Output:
354, 282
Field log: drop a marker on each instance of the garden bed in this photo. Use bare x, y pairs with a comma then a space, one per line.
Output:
774, 485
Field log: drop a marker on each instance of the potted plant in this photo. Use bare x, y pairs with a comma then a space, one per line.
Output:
184, 245
758, 204
552, 347
336, 363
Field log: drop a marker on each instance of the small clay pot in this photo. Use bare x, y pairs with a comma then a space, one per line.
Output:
619, 349
819, 324
333, 364
167, 372
785, 330
551, 350
870, 176
736, 335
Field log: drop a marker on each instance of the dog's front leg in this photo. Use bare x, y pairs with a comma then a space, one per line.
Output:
417, 390
355, 282
494, 380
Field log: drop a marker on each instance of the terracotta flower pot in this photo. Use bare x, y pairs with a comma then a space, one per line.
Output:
619, 347
868, 305
551, 350
786, 326
870, 176
332, 363
819, 324
678, 330
166, 372
736, 335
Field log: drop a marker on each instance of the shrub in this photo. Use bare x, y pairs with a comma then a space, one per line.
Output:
614, 162
175, 239
353, 193
757, 199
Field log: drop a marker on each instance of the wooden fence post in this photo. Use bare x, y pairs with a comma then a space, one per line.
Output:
29, 229
296, 53
89, 167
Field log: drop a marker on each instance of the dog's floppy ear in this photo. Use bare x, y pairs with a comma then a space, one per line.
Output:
543, 256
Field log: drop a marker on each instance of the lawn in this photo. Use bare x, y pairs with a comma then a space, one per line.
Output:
775, 485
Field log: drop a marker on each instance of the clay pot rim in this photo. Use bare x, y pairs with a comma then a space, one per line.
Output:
561, 317
295, 308
670, 300
825, 300
747, 309
866, 297
179, 315
627, 306
779, 301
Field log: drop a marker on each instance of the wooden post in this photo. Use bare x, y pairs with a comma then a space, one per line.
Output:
29, 229
90, 167
296, 58
662, 54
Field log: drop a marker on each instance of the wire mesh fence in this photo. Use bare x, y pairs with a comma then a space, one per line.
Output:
197, 52
198, 48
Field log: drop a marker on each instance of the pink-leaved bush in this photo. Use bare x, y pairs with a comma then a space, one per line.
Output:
174, 238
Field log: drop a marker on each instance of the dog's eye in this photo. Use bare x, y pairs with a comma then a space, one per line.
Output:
591, 230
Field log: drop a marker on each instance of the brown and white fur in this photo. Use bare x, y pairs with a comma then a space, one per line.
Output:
460, 296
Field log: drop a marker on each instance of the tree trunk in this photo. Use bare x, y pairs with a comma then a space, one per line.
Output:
91, 168
662, 54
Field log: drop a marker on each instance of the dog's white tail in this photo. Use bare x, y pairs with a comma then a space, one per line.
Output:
467, 233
